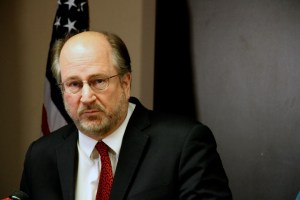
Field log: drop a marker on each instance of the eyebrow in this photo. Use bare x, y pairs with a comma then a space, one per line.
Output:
99, 75
91, 76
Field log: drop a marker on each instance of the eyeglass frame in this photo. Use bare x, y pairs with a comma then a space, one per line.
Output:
62, 85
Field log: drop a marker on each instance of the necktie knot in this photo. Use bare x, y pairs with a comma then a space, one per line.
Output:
102, 148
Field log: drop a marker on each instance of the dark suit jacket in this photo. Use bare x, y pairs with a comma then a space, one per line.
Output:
163, 157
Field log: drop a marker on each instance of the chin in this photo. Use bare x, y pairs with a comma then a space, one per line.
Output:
94, 127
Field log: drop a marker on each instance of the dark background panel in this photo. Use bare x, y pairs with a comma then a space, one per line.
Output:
247, 64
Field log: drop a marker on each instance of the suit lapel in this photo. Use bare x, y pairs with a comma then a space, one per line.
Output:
66, 163
128, 161
133, 145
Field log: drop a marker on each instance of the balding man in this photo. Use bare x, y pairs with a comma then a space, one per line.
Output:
116, 148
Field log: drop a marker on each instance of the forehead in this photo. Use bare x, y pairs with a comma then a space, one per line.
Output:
86, 54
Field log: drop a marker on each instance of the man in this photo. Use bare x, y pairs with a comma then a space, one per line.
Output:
151, 155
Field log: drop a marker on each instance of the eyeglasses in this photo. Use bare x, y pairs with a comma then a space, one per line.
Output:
97, 84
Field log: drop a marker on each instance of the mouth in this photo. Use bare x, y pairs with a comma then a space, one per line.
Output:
90, 112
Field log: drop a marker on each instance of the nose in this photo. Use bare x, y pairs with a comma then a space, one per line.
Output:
87, 94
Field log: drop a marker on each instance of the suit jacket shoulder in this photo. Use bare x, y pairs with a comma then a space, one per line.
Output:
50, 165
166, 156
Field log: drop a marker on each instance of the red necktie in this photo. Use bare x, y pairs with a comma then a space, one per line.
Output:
106, 176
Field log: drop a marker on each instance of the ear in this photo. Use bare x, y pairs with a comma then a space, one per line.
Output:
126, 84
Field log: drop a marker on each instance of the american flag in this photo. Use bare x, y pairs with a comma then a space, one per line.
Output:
72, 16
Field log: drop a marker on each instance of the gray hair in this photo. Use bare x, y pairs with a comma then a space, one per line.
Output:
120, 56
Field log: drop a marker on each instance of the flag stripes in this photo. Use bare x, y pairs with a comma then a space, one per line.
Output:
72, 16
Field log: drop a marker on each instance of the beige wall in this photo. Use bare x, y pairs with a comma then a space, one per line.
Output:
26, 27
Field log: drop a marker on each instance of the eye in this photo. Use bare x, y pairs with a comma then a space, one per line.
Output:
74, 84
98, 83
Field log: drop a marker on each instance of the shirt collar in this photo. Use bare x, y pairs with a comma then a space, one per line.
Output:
113, 141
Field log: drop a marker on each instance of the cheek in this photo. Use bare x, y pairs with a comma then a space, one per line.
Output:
71, 103
110, 99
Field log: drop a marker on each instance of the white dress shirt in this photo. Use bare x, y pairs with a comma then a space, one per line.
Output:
89, 162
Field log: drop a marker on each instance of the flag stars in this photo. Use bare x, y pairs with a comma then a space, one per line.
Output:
57, 22
81, 7
70, 25
71, 3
